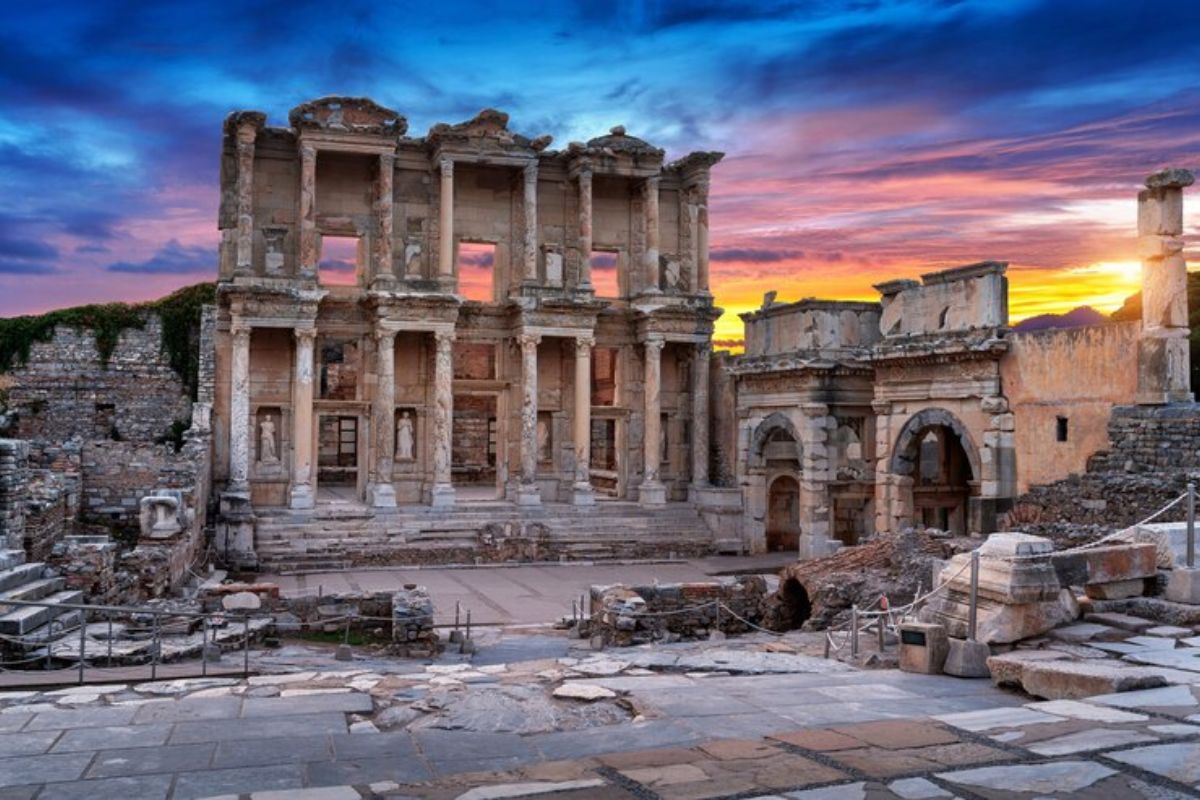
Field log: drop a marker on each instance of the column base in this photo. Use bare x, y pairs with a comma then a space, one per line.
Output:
696, 491
301, 497
652, 494
381, 495
443, 496
582, 495
528, 494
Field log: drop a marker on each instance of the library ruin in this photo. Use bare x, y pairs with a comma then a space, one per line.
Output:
470, 346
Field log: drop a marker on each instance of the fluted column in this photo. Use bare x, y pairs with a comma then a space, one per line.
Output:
383, 219
585, 229
247, 132
652, 492
650, 204
443, 418
527, 491
381, 493
309, 252
301, 494
582, 493
239, 410
531, 223
446, 222
700, 362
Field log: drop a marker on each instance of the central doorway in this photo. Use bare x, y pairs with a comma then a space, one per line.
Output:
337, 457
474, 448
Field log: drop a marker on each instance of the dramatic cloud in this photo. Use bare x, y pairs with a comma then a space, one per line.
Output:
865, 140
173, 259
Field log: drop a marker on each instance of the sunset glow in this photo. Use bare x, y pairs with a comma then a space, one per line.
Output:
864, 141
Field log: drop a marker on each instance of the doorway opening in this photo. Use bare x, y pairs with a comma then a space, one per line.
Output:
474, 448
337, 457
942, 486
477, 271
783, 514
604, 467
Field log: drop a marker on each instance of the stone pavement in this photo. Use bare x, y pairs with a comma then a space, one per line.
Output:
524, 594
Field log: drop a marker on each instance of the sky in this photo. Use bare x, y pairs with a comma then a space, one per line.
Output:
865, 140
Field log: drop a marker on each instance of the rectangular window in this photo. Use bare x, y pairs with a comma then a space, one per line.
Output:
477, 271
605, 278
340, 259
1060, 428
604, 376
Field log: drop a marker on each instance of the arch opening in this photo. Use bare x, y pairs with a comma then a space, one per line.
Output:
783, 514
794, 605
935, 451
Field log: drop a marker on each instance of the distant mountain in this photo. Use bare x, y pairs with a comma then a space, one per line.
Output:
1076, 318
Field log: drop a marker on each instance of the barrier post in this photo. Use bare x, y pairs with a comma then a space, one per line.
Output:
82, 643
154, 650
974, 611
246, 646
204, 649
1191, 525
854, 631
880, 626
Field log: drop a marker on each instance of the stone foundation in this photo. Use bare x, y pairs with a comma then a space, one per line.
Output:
626, 616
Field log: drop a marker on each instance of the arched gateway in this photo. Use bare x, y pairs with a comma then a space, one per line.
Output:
935, 453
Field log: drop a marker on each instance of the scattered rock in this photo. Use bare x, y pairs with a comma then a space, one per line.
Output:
583, 691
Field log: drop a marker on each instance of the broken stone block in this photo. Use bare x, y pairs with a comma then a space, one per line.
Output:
923, 647
1110, 564
967, 659
1006, 668
1116, 590
1161, 540
1073, 680
1184, 585
241, 601
1122, 621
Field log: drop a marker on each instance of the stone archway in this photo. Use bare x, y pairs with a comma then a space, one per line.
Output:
783, 514
771, 440
939, 469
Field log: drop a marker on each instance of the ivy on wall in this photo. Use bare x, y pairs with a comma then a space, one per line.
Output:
179, 312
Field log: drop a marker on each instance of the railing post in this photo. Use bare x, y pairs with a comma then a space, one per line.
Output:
204, 649
1191, 525
880, 627
154, 650
854, 631
82, 642
246, 646
827, 643
108, 663
974, 610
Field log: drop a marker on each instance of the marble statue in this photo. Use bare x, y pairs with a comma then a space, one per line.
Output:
266, 445
404, 437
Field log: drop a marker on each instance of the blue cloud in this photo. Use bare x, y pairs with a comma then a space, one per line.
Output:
172, 259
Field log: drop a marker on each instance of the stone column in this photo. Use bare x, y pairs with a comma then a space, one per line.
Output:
700, 445
383, 270
1164, 373
301, 494
381, 493
652, 492
446, 223
582, 494
585, 229
815, 476
239, 410
309, 251
531, 223
527, 491
650, 196
247, 132
443, 418
701, 286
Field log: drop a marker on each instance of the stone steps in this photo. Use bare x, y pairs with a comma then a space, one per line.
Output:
26, 619
22, 573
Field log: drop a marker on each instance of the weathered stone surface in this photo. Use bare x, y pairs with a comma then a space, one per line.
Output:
1007, 668
1116, 590
967, 659
1105, 564
1059, 680
1183, 586
583, 691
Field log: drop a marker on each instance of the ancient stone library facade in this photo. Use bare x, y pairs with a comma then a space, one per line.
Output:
469, 345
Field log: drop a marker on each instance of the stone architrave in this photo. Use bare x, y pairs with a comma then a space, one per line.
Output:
443, 413
239, 409
527, 491
383, 268
700, 447
309, 249
582, 494
652, 492
301, 494
446, 221
247, 132
382, 493
650, 196
585, 228
530, 179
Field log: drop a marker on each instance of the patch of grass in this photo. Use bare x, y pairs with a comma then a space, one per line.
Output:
357, 638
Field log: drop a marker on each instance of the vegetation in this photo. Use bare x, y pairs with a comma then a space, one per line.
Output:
174, 434
179, 311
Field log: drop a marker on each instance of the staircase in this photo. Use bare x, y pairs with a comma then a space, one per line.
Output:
339, 537
26, 627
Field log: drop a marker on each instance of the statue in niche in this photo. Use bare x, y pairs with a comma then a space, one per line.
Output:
671, 274
404, 437
543, 440
266, 441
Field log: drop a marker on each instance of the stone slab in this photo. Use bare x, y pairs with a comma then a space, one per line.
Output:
148, 760
371, 770
1087, 741
213, 782
350, 703
1183, 586
992, 718
1170, 631
261, 728
50, 768
1082, 632
27, 744
1123, 621
112, 738
98, 717
1152, 642
1068, 680
1045, 779
264, 752
1165, 697
189, 708
1187, 659
136, 787
1076, 709
1179, 761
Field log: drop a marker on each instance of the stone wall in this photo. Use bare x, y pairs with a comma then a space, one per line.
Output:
14, 490
65, 390
1152, 455
50, 510
637, 614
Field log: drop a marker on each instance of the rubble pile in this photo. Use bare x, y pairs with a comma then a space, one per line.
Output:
891, 565
413, 635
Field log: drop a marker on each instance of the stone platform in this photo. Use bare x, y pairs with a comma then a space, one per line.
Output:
341, 536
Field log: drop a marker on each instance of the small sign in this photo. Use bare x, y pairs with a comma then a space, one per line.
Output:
916, 638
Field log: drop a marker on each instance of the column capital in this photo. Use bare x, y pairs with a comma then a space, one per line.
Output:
240, 328
308, 151
704, 348
387, 159
656, 343
384, 336
444, 338
650, 184
584, 174
881, 406
247, 132
530, 172
584, 345
527, 340
446, 165
307, 335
